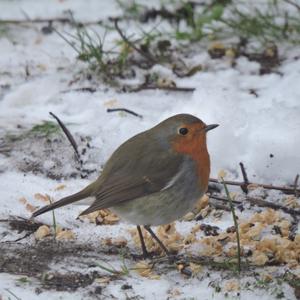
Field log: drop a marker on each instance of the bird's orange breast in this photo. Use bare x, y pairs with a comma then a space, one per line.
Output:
195, 147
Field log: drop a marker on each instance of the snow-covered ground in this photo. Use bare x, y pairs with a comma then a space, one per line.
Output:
39, 74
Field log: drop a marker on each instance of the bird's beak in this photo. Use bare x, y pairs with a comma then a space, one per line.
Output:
210, 127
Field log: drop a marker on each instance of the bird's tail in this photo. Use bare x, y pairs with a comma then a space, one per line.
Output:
86, 192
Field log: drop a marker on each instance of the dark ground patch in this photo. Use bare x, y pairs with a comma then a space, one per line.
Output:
71, 265
35, 261
48, 153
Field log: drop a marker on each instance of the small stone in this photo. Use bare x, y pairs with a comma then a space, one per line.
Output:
98, 290
216, 50
126, 286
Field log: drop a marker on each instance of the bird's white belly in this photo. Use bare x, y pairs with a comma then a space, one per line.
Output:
166, 205
156, 209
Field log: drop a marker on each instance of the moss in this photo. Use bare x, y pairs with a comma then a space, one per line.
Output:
45, 129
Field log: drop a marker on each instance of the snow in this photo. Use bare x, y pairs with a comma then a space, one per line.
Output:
56, 8
251, 129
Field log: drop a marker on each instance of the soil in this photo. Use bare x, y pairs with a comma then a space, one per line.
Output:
34, 261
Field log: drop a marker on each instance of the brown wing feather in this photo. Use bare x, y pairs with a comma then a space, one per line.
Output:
124, 191
135, 169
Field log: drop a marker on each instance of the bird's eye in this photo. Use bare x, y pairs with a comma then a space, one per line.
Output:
183, 131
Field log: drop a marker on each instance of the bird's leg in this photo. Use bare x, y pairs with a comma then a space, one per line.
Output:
157, 240
146, 254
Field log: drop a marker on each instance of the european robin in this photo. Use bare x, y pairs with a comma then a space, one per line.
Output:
154, 177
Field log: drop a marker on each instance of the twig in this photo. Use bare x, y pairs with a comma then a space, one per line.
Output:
14, 295
68, 135
48, 20
219, 198
83, 89
22, 238
203, 260
166, 88
109, 110
25, 14
21, 224
244, 187
67, 41
294, 228
53, 218
261, 203
129, 43
226, 264
11, 21
219, 206
295, 185
288, 190
264, 203
236, 225
293, 3
213, 188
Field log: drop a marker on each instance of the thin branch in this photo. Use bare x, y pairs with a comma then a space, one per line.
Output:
236, 225
109, 110
261, 203
12, 21
264, 203
68, 135
129, 43
288, 190
219, 206
295, 185
48, 20
244, 187
166, 88
53, 218
213, 188
294, 228
293, 3
219, 198
22, 238
82, 89
21, 224
67, 41
14, 295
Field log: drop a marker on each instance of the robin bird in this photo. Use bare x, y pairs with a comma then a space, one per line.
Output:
153, 178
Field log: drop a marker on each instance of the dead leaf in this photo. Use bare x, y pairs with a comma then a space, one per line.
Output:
189, 216
196, 268
222, 174
111, 219
111, 103
44, 198
103, 280
118, 242
31, 208
259, 258
42, 232
231, 285
144, 269
60, 187
65, 235
23, 200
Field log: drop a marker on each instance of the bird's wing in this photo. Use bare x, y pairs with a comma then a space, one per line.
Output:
138, 173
